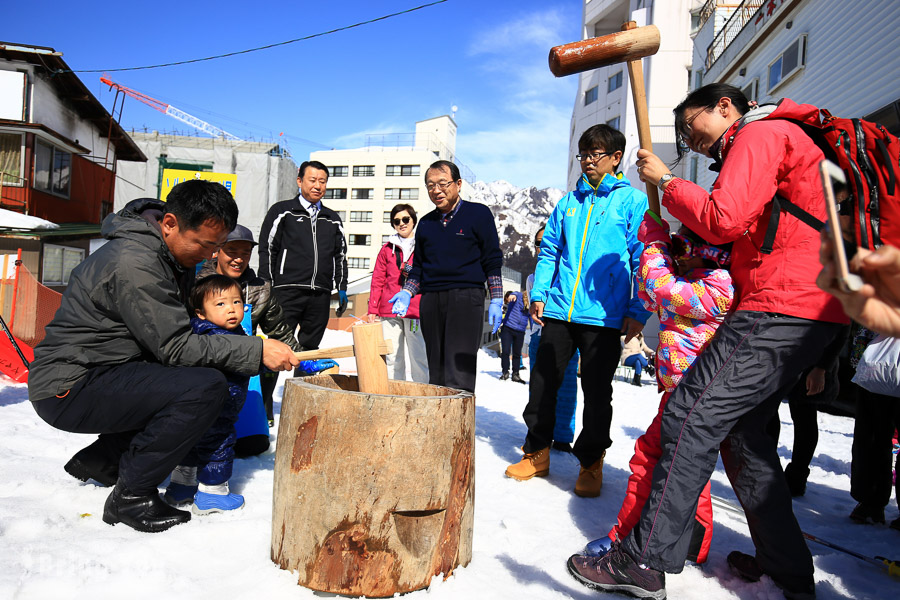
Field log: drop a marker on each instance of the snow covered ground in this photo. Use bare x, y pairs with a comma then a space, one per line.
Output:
54, 544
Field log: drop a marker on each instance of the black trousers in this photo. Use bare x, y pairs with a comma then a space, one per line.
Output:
870, 470
511, 342
600, 350
727, 400
151, 414
452, 323
307, 308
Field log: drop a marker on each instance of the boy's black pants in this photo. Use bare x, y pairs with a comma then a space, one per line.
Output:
727, 400
152, 413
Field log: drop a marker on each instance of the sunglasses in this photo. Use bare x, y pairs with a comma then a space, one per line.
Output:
403, 220
683, 248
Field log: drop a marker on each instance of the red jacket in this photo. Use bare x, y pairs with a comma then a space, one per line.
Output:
763, 158
386, 282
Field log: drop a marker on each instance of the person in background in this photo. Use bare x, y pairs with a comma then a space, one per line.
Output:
303, 253
567, 396
637, 355
233, 260
392, 267
585, 296
512, 335
457, 250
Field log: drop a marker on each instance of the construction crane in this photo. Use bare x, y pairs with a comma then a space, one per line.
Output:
169, 110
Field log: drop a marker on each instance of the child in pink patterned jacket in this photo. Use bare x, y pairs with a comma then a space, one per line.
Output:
686, 282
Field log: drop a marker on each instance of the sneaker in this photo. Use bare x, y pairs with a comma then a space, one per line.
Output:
562, 446
505, 376
866, 514
180, 494
616, 571
271, 423
796, 479
533, 464
516, 378
590, 480
598, 547
206, 503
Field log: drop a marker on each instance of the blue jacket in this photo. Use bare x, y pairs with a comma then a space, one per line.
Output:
590, 255
516, 318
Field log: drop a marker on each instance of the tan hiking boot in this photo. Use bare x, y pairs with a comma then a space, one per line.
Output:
590, 480
533, 464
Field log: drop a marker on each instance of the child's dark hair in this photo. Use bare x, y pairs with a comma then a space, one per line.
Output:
699, 241
213, 284
706, 97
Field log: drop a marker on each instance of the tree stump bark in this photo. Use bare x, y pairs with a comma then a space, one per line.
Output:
374, 494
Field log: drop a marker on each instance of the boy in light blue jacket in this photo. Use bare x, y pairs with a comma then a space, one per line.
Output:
585, 296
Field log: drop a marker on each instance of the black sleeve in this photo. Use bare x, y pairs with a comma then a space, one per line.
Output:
267, 249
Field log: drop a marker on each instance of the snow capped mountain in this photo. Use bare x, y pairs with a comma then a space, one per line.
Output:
519, 212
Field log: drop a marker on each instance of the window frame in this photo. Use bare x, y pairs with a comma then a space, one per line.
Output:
358, 171
334, 172
330, 194
618, 78
353, 262
64, 276
360, 216
54, 151
591, 95
618, 122
413, 170
19, 180
370, 194
354, 239
802, 45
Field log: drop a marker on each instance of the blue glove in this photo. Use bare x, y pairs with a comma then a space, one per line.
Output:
495, 314
401, 303
311, 367
342, 303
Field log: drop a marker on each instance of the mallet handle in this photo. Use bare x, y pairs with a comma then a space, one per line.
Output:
603, 51
639, 94
384, 347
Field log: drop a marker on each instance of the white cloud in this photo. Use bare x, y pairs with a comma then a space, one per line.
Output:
540, 29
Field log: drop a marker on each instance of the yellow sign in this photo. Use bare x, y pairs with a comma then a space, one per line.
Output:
172, 177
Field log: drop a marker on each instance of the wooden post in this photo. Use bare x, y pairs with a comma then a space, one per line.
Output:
370, 365
374, 494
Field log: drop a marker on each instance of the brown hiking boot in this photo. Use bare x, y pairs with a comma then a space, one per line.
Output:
590, 480
533, 464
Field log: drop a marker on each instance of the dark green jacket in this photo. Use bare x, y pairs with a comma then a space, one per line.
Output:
267, 313
127, 302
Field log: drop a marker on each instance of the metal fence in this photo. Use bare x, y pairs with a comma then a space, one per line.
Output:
733, 26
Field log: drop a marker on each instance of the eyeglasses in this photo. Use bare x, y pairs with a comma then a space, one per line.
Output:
592, 156
688, 122
443, 185
399, 220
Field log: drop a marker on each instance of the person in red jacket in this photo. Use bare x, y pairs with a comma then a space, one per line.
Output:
391, 270
780, 321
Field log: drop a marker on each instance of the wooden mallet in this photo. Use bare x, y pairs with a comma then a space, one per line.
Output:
369, 347
629, 46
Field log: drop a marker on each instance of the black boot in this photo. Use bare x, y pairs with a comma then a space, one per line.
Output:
796, 479
504, 376
97, 462
516, 378
637, 378
144, 513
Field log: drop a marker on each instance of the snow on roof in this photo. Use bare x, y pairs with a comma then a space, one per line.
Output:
13, 220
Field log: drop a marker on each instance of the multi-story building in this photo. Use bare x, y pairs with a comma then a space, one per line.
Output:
604, 94
830, 54
365, 183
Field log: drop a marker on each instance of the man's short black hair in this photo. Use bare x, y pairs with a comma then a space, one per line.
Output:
440, 165
196, 201
315, 165
212, 284
601, 136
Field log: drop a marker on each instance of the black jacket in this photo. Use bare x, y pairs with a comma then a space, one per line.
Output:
127, 302
295, 252
267, 312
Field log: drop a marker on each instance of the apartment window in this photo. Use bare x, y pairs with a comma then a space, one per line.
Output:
698, 79
615, 82
387, 217
357, 263
360, 216
357, 239
789, 62
401, 194
590, 95
362, 194
335, 194
342, 214
367, 171
52, 169
338, 171
402, 170
888, 116
751, 90
58, 264
11, 158
384, 239
614, 123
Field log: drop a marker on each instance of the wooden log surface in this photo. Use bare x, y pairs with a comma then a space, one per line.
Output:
374, 494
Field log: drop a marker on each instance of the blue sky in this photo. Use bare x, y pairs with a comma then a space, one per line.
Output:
487, 57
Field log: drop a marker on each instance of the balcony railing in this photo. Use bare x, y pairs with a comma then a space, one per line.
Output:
733, 26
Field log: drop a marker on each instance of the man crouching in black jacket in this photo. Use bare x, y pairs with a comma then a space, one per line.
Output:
119, 358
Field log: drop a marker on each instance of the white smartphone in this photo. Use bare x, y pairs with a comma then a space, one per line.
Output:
833, 179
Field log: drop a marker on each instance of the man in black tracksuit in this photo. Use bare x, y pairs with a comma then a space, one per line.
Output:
302, 251
119, 358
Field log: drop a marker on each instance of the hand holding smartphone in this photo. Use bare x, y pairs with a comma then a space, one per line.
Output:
833, 178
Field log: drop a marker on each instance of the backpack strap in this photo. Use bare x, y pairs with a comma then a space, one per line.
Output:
780, 203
